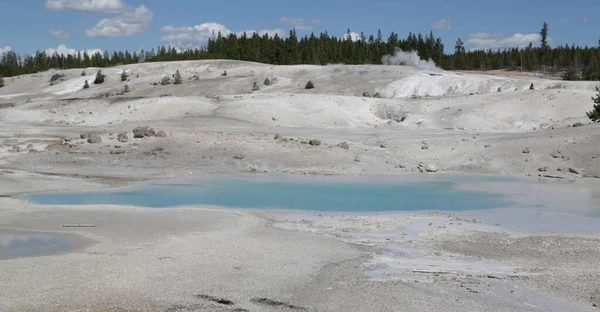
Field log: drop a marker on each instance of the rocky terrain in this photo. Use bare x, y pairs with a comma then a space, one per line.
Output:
357, 120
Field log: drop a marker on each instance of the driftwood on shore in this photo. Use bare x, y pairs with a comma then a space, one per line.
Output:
78, 225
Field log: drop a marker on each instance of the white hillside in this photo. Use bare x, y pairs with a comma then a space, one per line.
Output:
427, 99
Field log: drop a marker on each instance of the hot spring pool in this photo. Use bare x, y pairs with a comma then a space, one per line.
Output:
327, 194
16, 244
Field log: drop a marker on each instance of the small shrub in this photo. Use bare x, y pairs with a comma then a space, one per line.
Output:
83, 73
1, 82
165, 81
267, 82
123, 76
570, 75
125, 89
594, 115
224, 73
177, 80
255, 87
309, 85
56, 77
531, 87
86, 85
99, 78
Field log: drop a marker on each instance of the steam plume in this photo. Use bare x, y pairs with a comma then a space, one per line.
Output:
411, 58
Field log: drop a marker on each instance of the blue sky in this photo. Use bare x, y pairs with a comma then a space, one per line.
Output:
72, 25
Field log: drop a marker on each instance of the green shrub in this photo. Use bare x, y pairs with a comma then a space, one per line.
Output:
99, 78
594, 115
56, 77
177, 79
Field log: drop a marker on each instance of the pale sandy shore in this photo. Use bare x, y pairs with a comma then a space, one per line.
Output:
224, 259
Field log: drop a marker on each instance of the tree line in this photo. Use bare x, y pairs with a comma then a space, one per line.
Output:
574, 62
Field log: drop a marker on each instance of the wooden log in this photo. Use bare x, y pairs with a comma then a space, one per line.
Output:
78, 225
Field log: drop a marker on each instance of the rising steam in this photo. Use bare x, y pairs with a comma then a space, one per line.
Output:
411, 58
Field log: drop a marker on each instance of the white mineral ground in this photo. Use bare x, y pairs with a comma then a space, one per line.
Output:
175, 259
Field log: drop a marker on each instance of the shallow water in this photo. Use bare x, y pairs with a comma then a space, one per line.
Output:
16, 244
347, 194
298, 194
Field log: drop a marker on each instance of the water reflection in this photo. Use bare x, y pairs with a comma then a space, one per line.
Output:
16, 244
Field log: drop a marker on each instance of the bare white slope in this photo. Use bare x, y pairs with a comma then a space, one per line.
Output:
444, 99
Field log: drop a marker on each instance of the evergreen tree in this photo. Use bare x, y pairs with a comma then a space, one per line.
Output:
309, 85
594, 115
255, 87
86, 85
123, 76
531, 87
177, 79
99, 78
125, 89
459, 48
1, 81
83, 73
267, 82
544, 34
326, 49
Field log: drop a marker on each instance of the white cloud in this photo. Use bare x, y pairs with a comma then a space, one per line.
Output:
299, 23
478, 41
125, 25
64, 50
58, 34
106, 6
5, 49
353, 36
442, 24
198, 35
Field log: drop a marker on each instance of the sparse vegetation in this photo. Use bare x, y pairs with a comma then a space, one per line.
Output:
86, 85
123, 76
255, 87
56, 77
267, 82
165, 81
531, 87
570, 75
594, 115
309, 85
99, 77
224, 73
177, 78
